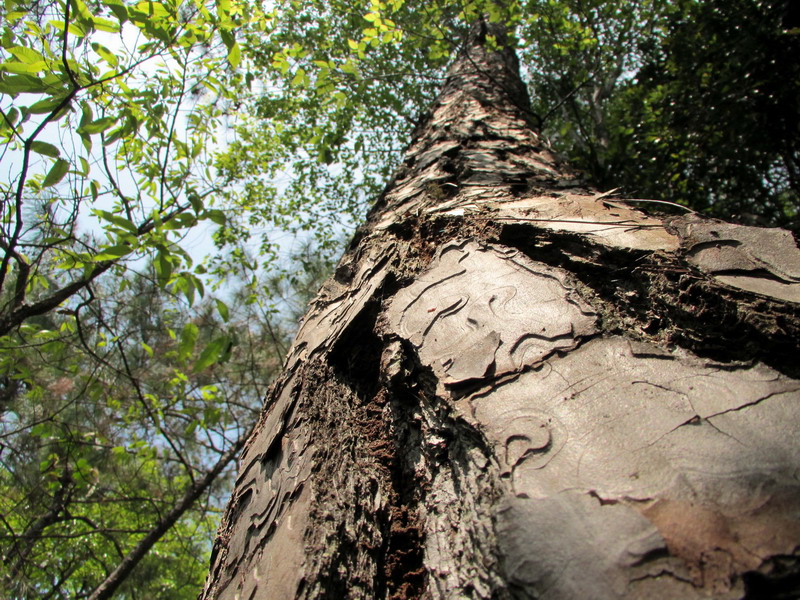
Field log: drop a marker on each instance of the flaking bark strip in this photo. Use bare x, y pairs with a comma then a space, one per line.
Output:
659, 297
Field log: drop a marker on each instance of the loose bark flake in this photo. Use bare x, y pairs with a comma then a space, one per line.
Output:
518, 387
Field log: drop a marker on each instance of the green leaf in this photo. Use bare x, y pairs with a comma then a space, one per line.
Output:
196, 202
211, 415
300, 79
22, 84
97, 126
86, 114
235, 55
153, 9
224, 7
45, 106
211, 353
12, 115
113, 252
26, 55
188, 340
227, 38
84, 17
45, 149
105, 25
185, 282
57, 173
222, 308
216, 215
21, 68
164, 268
118, 8
107, 55
117, 220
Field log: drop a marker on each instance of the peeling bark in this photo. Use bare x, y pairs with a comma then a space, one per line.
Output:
517, 387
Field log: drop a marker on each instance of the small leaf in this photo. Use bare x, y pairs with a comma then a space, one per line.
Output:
57, 173
211, 353
86, 114
196, 202
97, 126
117, 220
22, 84
20, 68
188, 340
107, 55
299, 79
113, 252
216, 215
222, 308
118, 8
105, 25
45, 149
163, 266
26, 55
227, 38
235, 55
45, 106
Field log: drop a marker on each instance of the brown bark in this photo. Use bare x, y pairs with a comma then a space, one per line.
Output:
515, 386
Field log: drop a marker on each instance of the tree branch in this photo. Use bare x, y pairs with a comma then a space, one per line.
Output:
116, 578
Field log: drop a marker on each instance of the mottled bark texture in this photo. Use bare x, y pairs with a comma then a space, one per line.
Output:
517, 387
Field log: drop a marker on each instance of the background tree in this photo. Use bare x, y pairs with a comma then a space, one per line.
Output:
108, 440
687, 102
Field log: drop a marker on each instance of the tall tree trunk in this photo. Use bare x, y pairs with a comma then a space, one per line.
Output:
517, 387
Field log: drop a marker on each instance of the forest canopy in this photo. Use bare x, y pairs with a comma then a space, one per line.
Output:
177, 177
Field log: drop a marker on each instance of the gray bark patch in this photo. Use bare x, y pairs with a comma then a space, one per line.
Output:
487, 311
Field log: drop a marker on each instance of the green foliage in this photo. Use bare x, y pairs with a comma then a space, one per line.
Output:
335, 92
138, 397
686, 101
108, 119
112, 105
715, 114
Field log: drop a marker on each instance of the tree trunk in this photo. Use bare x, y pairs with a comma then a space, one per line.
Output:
517, 387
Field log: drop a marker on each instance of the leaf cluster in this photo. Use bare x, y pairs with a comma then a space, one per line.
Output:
689, 102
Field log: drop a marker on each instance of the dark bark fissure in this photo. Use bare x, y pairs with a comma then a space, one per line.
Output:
659, 298
386, 427
782, 582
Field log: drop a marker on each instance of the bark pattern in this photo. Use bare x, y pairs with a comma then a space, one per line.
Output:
518, 387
